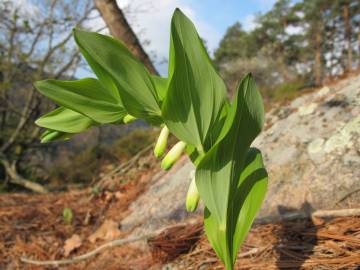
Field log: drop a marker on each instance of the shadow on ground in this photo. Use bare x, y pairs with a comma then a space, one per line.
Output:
296, 240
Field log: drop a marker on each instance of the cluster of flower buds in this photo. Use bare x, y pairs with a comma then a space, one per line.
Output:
192, 198
173, 155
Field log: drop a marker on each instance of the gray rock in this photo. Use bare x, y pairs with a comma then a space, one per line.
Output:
311, 150
163, 203
325, 167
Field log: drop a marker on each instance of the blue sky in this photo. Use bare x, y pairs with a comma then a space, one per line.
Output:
211, 18
221, 14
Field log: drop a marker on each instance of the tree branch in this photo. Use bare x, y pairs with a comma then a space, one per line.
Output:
66, 67
15, 178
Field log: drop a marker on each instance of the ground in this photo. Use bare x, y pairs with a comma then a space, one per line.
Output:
311, 148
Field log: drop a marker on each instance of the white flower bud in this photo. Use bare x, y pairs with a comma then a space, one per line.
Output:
192, 196
161, 142
173, 155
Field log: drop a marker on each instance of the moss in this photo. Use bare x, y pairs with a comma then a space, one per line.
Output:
287, 91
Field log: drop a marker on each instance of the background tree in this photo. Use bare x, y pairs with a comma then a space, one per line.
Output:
236, 43
294, 45
120, 28
34, 41
348, 30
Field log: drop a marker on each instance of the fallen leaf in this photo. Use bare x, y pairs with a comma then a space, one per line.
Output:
119, 195
109, 230
108, 196
71, 244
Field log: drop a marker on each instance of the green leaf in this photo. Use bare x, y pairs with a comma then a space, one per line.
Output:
171, 58
247, 198
65, 120
132, 79
85, 96
245, 202
196, 93
104, 77
161, 85
54, 135
219, 170
68, 215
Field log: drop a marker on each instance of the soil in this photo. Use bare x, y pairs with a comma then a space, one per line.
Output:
139, 199
33, 225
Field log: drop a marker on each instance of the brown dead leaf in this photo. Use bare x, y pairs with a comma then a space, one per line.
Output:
71, 244
119, 195
108, 196
107, 231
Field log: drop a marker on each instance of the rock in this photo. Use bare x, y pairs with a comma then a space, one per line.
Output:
339, 140
323, 91
315, 146
163, 203
312, 156
307, 109
311, 149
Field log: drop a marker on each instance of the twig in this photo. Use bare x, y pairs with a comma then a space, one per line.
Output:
208, 261
113, 243
315, 214
250, 252
336, 213
117, 242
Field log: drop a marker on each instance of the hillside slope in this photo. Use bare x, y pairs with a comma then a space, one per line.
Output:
312, 153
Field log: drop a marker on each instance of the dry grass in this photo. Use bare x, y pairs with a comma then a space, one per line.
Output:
301, 244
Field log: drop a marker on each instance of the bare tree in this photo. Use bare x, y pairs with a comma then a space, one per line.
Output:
35, 42
120, 28
348, 34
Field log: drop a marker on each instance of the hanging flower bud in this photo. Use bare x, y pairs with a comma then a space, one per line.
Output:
161, 142
192, 196
173, 155
128, 119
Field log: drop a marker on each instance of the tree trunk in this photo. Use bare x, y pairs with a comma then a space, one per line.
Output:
318, 56
119, 28
346, 15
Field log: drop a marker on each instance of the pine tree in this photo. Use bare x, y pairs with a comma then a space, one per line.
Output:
236, 43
